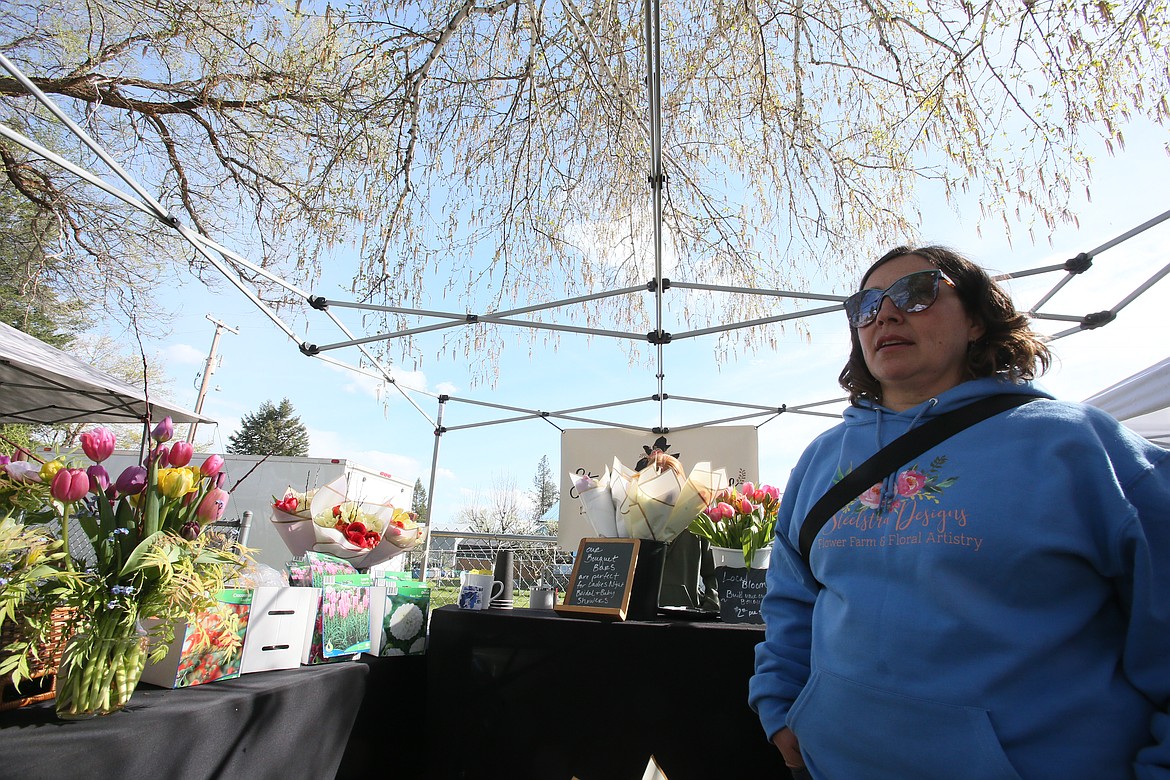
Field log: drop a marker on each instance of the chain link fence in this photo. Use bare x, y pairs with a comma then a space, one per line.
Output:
535, 560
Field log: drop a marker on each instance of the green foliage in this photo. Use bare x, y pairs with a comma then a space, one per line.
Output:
33, 581
271, 430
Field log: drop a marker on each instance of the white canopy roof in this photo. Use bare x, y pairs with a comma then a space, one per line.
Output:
1142, 402
42, 384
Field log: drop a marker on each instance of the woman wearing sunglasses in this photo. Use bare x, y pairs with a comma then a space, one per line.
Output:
997, 608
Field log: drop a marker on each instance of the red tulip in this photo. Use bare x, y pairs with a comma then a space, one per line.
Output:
181, 453
211, 466
69, 485
212, 506
98, 444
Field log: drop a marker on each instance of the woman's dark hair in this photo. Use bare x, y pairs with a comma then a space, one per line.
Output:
1007, 348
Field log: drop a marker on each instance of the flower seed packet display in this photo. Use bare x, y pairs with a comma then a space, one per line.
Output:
312, 572
208, 647
345, 615
399, 627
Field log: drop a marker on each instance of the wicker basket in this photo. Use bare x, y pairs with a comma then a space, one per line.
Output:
41, 682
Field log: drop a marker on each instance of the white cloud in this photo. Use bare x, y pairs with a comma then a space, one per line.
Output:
378, 389
330, 444
182, 354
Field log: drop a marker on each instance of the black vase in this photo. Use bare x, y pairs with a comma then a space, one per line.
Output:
647, 580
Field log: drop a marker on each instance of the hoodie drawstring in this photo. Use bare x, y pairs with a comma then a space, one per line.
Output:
889, 489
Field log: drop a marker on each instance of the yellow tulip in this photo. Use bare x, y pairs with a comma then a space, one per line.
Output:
174, 483
49, 470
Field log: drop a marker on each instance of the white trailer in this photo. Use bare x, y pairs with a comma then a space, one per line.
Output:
266, 478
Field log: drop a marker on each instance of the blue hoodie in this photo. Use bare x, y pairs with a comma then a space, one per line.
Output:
997, 609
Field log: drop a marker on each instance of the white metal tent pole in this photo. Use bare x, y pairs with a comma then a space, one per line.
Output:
431, 490
159, 211
657, 183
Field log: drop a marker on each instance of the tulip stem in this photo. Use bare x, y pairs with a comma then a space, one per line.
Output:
65, 535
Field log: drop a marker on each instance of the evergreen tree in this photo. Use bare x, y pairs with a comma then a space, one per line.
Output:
418, 501
271, 430
545, 494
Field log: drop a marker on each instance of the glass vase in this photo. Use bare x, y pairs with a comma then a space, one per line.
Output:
100, 667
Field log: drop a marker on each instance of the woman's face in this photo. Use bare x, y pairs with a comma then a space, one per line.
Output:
916, 356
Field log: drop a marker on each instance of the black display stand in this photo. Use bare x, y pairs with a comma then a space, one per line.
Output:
530, 695
285, 724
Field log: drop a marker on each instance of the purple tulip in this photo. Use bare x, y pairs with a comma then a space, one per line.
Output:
211, 466
69, 485
212, 506
98, 444
190, 530
181, 453
5, 460
99, 478
160, 455
23, 471
163, 431
132, 481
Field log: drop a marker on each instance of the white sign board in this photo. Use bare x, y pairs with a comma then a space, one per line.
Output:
733, 448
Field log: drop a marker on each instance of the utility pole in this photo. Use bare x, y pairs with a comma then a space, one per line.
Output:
208, 370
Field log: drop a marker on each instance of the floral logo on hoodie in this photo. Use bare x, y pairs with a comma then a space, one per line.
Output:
911, 484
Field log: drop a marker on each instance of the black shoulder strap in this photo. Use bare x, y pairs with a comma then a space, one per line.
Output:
901, 450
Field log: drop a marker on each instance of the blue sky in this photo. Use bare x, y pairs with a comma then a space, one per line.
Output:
347, 417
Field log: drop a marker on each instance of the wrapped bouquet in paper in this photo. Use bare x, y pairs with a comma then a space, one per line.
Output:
360, 532
292, 516
597, 501
657, 502
330, 521
660, 501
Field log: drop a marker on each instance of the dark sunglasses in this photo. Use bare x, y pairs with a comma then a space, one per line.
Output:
912, 293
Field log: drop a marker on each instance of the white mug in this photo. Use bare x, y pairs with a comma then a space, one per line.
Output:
478, 590
471, 597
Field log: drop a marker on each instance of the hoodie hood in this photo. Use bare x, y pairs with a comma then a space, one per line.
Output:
870, 413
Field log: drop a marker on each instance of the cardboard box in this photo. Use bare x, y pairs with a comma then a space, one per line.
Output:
280, 624
206, 648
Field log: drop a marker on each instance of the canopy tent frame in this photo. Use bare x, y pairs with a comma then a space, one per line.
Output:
223, 259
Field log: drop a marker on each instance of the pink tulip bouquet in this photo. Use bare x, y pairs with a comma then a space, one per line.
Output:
741, 517
149, 558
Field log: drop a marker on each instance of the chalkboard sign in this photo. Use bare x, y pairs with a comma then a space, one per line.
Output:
740, 594
603, 575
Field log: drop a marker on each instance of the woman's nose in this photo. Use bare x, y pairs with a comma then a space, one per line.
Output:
887, 311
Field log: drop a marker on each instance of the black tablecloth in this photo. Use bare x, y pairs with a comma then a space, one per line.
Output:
527, 694
285, 724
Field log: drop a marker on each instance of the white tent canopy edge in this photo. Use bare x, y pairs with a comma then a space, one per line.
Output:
40, 384
1141, 401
